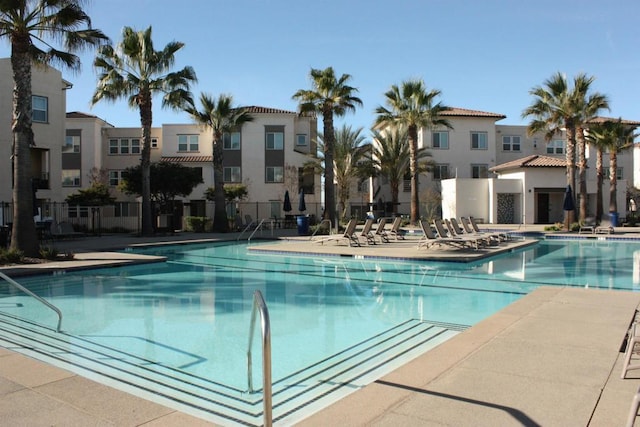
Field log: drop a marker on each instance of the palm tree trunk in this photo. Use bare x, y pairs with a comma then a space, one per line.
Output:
395, 191
571, 166
329, 187
582, 174
23, 234
413, 167
599, 180
613, 180
220, 220
146, 119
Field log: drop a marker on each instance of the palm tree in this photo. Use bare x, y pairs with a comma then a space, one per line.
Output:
588, 105
330, 96
220, 116
134, 70
616, 137
392, 156
349, 161
412, 106
556, 107
27, 24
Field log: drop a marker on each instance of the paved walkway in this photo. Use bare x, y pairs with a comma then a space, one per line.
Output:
552, 359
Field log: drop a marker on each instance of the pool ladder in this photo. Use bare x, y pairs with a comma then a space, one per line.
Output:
255, 230
42, 300
259, 305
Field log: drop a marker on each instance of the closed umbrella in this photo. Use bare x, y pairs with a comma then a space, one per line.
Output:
286, 206
568, 204
302, 206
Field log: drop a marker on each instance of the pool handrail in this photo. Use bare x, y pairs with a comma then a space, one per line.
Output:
261, 305
320, 226
259, 227
42, 300
245, 229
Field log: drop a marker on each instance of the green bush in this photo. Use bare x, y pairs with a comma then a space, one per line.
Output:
48, 252
11, 256
197, 224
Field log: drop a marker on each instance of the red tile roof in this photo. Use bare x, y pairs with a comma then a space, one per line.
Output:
187, 159
463, 112
266, 110
79, 115
612, 119
533, 161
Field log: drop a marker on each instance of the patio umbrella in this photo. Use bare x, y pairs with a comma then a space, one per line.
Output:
568, 204
286, 206
302, 206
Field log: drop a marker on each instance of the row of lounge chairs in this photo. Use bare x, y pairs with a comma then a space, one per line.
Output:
367, 234
450, 233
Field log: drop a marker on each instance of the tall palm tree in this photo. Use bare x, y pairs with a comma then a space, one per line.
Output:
330, 96
351, 150
135, 71
27, 25
220, 116
411, 105
616, 137
558, 106
392, 156
588, 105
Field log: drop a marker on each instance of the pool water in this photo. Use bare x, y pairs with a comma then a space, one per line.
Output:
330, 316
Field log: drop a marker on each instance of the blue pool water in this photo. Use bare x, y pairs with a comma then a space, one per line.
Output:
188, 318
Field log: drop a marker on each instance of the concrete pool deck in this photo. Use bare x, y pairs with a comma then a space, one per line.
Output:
551, 358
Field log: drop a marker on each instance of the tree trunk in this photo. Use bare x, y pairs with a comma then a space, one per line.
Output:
599, 180
146, 119
613, 180
220, 220
582, 174
329, 186
413, 168
571, 158
23, 234
395, 191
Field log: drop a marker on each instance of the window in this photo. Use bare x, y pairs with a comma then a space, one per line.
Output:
188, 143
510, 143
71, 144
71, 177
125, 146
121, 209
441, 171
135, 146
301, 140
232, 174
440, 140
231, 140
274, 174
76, 211
275, 140
114, 178
606, 171
555, 147
154, 142
40, 109
306, 181
478, 140
406, 182
479, 171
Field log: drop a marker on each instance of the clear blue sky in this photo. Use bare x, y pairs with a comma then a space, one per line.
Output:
484, 55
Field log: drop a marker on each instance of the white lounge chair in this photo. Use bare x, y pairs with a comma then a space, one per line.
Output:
349, 235
366, 233
381, 234
474, 225
429, 238
395, 230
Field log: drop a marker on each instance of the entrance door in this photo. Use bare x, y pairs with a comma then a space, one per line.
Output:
543, 208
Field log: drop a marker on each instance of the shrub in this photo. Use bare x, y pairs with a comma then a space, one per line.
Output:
48, 252
197, 224
11, 256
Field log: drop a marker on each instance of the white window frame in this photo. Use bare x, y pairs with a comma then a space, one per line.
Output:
231, 141
154, 142
272, 143
478, 144
39, 110
301, 140
479, 167
274, 174
441, 145
438, 169
619, 173
71, 144
512, 143
556, 146
232, 174
136, 144
188, 143
115, 175
69, 179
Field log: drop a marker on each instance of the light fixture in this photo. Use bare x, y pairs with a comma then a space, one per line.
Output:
535, 142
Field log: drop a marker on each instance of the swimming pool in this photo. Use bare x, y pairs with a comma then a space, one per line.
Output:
178, 331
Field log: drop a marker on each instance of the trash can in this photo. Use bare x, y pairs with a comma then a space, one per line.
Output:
303, 225
613, 218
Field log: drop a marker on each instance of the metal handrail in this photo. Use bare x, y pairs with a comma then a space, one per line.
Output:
259, 304
245, 229
320, 226
259, 227
42, 300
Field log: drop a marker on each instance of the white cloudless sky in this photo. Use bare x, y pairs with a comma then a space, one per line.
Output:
483, 55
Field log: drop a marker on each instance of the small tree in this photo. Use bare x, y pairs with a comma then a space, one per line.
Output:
96, 195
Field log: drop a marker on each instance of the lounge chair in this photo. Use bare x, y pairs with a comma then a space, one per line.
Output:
366, 233
395, 230
64, 230
589, 226
466, 224
605, 227
381, 233
454, 234
633, 339
349, 235
474, 225
429, 239
468, 242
